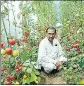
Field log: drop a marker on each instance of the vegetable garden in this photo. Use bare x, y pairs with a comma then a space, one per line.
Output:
20, 38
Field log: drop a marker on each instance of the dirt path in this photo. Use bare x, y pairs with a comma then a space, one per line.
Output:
52, 78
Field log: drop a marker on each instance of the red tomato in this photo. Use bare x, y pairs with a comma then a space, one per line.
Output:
67, 49
2, 44
11, 77
78, 49
17, 70
79, 52
26, 34
20, 68
22, 39
8, 51
12, 41
75, 45
8, 83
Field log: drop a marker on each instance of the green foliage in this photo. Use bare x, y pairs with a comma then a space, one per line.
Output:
33, 32
29, 69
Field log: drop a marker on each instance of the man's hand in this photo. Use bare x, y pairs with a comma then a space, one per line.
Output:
58, 64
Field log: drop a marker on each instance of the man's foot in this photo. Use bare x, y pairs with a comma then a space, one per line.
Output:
42, 70
54, 71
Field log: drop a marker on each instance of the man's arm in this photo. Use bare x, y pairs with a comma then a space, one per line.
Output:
60, 55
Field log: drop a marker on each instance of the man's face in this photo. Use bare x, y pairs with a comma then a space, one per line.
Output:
50, 34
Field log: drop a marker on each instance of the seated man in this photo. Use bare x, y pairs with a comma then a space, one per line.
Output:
50, 52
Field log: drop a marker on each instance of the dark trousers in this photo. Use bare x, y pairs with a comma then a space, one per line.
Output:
52, 72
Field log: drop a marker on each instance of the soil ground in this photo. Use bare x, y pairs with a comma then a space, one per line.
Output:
53, 79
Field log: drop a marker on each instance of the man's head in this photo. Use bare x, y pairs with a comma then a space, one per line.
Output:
51, 32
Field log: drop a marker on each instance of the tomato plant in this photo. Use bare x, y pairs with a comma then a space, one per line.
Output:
20, 39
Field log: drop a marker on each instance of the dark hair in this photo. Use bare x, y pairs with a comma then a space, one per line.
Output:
51, 27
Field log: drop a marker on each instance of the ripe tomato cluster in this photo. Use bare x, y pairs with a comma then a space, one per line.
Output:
11, 77
24, 39
8, 83
9, 50
18, 68
13, 53
12, 41
75, 46
26, 34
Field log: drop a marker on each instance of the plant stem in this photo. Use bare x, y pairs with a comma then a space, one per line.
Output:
9, 65
5, 29
9, 21
14, 20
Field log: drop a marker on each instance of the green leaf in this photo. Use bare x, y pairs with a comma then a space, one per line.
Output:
29, 70
33, 77
37, 72
13, 72
14, 22
26, 64
81, 82
6, 9
28, 80
24, 69
24, 55
38, 79
24, 81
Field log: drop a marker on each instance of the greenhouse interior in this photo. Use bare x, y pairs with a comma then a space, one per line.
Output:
24, 24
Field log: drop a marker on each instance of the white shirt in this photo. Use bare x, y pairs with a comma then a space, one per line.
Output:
49, 53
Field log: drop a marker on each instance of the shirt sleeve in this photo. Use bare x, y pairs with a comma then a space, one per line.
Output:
42, 56
60, 54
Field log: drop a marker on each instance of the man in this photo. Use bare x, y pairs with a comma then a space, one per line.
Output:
50, 52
